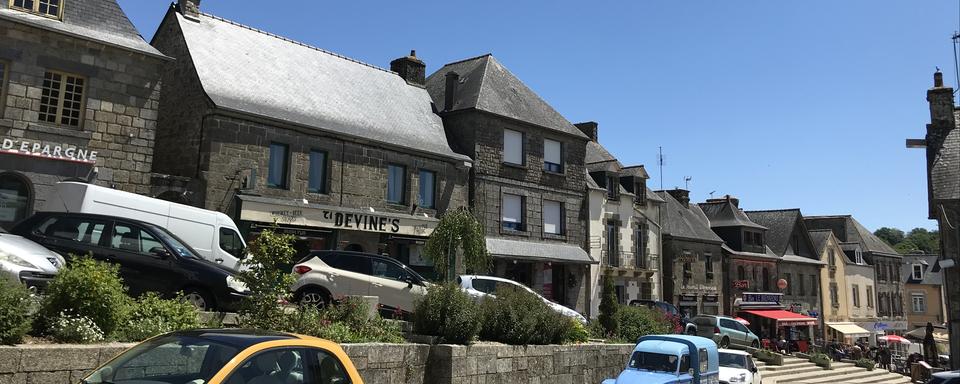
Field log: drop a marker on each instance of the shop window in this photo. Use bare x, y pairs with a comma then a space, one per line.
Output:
919, 303
428, 189
856, 296
512, 147
61, 99
16, 197
552, 156
869, 296
396, 183
48, 8
317, 181
512, 217
552, 217
766, 280
279, 165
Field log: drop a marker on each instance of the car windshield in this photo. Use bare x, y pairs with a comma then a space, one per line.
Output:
658, 362
166, 360
732, 360
181, 249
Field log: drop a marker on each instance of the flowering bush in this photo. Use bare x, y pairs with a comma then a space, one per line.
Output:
68, 328
89, 289
15, 312
152, 315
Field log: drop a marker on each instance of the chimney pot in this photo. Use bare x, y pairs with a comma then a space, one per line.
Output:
682, 195
590, 129
190, 8
938, 79
411, 69
450, 93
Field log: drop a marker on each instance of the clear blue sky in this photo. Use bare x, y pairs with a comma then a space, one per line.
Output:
782, 104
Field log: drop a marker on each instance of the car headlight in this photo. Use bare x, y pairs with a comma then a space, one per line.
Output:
15, 260
742, 378
236, 285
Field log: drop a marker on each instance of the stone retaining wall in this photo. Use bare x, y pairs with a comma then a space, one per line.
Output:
377, 363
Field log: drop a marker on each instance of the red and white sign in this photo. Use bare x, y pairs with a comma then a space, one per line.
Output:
47, 151
741, 284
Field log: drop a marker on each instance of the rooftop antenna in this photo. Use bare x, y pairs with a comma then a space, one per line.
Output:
686, 182
956, 61
660, 164
711, 193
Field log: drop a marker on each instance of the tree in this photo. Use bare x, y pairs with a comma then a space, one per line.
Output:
926, 241
266, 275
918, 240
892, 236
458, 229
609, 307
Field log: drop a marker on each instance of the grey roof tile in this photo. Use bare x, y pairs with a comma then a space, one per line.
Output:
945, 170
932, 274
723, 213
849, 230
258, 73
683, 222
820, 239
102, 21
488, 86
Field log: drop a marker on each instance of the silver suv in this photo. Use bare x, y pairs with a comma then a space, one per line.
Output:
725, 331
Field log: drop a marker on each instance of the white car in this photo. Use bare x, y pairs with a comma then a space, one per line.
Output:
27, 262
327, 275
737, 367
479, 287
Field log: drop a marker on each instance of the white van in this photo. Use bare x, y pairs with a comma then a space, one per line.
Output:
212, 234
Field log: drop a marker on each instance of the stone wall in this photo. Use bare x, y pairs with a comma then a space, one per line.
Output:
697, 284
377, 363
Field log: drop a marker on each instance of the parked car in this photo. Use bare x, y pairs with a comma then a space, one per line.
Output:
668, 359
725, 331
481, 286
951, 377
151, 259
212, 235
326, 275
688, 327
737, 367
220, 356
27, 262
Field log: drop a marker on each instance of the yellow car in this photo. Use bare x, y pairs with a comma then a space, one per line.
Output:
229, 356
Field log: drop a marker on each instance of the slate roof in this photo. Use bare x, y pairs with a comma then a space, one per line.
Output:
819, 238
932, 274
768, 253
849, 230
723, 213
254, 72
688, 223
636, 171
781, 225
945, 170
487, 85
801, 260
102, 21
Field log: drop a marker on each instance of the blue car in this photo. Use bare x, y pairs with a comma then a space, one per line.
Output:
668, 359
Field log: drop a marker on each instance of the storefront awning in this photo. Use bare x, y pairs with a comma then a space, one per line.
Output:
537, 251
784, 318
849, 329
295, 213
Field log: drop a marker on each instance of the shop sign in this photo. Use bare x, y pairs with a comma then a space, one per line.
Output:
741, 284
55, 152
882, 326
758, 298
345, 219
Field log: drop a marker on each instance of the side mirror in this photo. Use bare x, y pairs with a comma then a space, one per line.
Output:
754, 370
160, 252
409, 281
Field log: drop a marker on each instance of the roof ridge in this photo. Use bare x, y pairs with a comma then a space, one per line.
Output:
468, 59
289, 40
773, 210
819, 230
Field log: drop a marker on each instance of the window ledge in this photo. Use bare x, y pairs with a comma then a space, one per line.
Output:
555, 236
513, 165
59, 130
510, 232
552, 173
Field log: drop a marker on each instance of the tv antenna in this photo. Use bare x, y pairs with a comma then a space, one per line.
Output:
711, 193
686, 182
660, 164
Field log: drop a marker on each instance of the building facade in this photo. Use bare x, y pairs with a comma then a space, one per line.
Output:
349, 156
840, 311
692, 268
923, 284
528, 182
624, 229
79, 94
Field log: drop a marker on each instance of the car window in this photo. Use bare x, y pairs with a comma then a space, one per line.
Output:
87, 231
329, 369
732, 360
351, 263
166, 359
388, 270
174, 242
132, 238
741, 327
684, 364
230, 242
730, 324
655, 362
485, 285
279, 365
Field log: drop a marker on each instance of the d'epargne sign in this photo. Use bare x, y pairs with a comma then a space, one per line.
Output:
56, 152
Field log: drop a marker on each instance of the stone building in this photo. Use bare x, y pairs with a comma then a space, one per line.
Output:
840, 311
528, 181
692, 253
923, 283
79, 93
339, 153
863, 248
624, 229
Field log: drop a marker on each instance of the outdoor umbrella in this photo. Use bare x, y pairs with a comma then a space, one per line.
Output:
894, 339
742, 320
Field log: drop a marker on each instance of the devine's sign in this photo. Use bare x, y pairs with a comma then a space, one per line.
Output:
56, 152
338, 218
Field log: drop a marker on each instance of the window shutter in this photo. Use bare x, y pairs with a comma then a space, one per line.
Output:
551, 151
552, 212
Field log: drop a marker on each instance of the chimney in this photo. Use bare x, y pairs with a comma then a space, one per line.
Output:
411, 69
942, 121
589, 128
725, 199
189, 8
450, 94
682, 195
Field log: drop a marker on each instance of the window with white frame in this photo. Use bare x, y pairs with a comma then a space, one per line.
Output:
552, 217
552, 156
858, 256
48, 8
869, 296
919, 301
512, 213
512, 147
917, 271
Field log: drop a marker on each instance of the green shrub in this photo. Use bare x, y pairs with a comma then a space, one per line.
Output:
518, 318
608, 308
578, 333
448, 312
866, 363
266, 274
86, 288
153, 315
69, 328
346, 322
15, 312
821, 359
633, 322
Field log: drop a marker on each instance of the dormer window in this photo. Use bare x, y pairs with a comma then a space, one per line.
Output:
640, 189
758, 239
917, 272
47, 8
858, 256
613, 187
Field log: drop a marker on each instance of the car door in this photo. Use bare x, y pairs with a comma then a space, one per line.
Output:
145, 263
747, 340
729, 328
348, 274
391, 282
276, 365
72, 236
755, 373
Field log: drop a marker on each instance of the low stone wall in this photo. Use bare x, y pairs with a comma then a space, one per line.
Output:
377, 363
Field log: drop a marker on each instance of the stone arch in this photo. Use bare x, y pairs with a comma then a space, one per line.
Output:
16, 198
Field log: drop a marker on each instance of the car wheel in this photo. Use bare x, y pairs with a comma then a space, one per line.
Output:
725, 342
755, 344
199, 298
317, 297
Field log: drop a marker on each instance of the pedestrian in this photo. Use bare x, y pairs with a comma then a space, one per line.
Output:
885, 357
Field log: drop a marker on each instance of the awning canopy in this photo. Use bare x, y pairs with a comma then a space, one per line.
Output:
784, 318
537, 251
849, 329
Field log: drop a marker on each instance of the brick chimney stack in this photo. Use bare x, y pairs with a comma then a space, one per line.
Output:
589, 128
189, 8
411, 69
682, 195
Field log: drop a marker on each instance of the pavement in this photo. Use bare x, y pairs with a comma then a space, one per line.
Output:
800, 371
